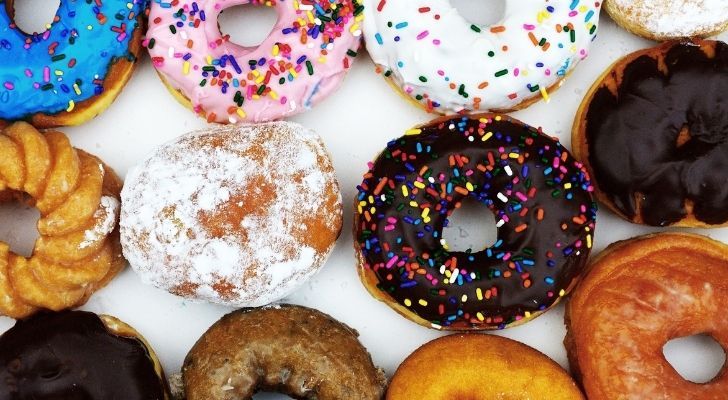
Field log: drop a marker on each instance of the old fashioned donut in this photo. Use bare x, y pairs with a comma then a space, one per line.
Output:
287, 349
670, 19
540, 197
480, 367
78, 250
446, 64
653, 131
637, 295
75, 69
237, 215
301, 62
78, 355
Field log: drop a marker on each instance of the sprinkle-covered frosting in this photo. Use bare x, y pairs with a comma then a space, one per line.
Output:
300, 63
434, 55
540, 197
53, 71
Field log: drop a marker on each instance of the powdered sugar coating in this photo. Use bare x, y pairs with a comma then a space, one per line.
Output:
674, 18
105, 217
237, 215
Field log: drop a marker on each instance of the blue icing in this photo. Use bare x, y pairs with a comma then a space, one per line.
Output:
45, 72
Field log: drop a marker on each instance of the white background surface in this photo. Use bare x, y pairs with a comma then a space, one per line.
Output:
355, 122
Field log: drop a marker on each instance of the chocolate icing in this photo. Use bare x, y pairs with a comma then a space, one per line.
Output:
71, 356
528, 268
636, 145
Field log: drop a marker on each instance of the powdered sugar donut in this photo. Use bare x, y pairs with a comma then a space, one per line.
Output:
446, 64
301, 62
670, 19
237, 215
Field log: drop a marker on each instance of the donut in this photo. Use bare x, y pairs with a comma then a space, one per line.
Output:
538, 193
75, 69
432, 54
78, 355
302, 61
288, 349
637, 295
478, 366
653, 131
669, 19
77, 195
239, 215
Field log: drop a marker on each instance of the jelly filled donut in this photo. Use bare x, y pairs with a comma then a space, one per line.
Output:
78, 355
74, 70
444, 63
637, 295
540, 197
239, 215
653, 131
77, 195
480, 367
301, 62
287, 349
670, 19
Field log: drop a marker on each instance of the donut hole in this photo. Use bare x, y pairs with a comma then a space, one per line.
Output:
479, 12
35, 16
470, 228
248, 24
270, 396
697, 358
18, 223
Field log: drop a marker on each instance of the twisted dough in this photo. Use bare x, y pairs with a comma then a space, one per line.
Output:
78, 250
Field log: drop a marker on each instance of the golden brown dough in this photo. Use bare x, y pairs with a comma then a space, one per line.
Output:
288, 349
637, 295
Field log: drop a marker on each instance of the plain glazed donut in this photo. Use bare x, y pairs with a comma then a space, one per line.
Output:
239, 215
74, 70
78, 355
540, 197
299, 64
480, 367
670, 19
637, 295
78, 250
286, 349
444, 63
653, 132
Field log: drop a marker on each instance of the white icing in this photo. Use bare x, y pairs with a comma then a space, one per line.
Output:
441, 46
166, 243
105, 217
674, 18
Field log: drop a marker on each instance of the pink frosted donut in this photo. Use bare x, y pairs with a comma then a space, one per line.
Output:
300, 63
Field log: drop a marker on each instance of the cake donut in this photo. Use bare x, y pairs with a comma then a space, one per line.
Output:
77, 195
637, 295
670, 19
653, 131
78, 355
236, 215
75, 69
538, 193
485, 367
288, 349
301, 62
445, 64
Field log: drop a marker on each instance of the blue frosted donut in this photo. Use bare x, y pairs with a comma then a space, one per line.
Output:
72, 71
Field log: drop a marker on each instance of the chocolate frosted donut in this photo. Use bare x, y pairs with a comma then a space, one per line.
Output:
540, 197
75, 355
654, 132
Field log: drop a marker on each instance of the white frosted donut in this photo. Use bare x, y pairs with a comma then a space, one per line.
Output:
236, 215
670, 19
438, 58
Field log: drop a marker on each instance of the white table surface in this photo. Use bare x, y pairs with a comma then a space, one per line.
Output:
355, 122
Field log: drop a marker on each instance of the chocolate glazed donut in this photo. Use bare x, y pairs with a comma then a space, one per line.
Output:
540, 197
75, 355
654, 133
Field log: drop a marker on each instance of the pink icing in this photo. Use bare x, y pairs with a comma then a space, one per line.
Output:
303, 60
